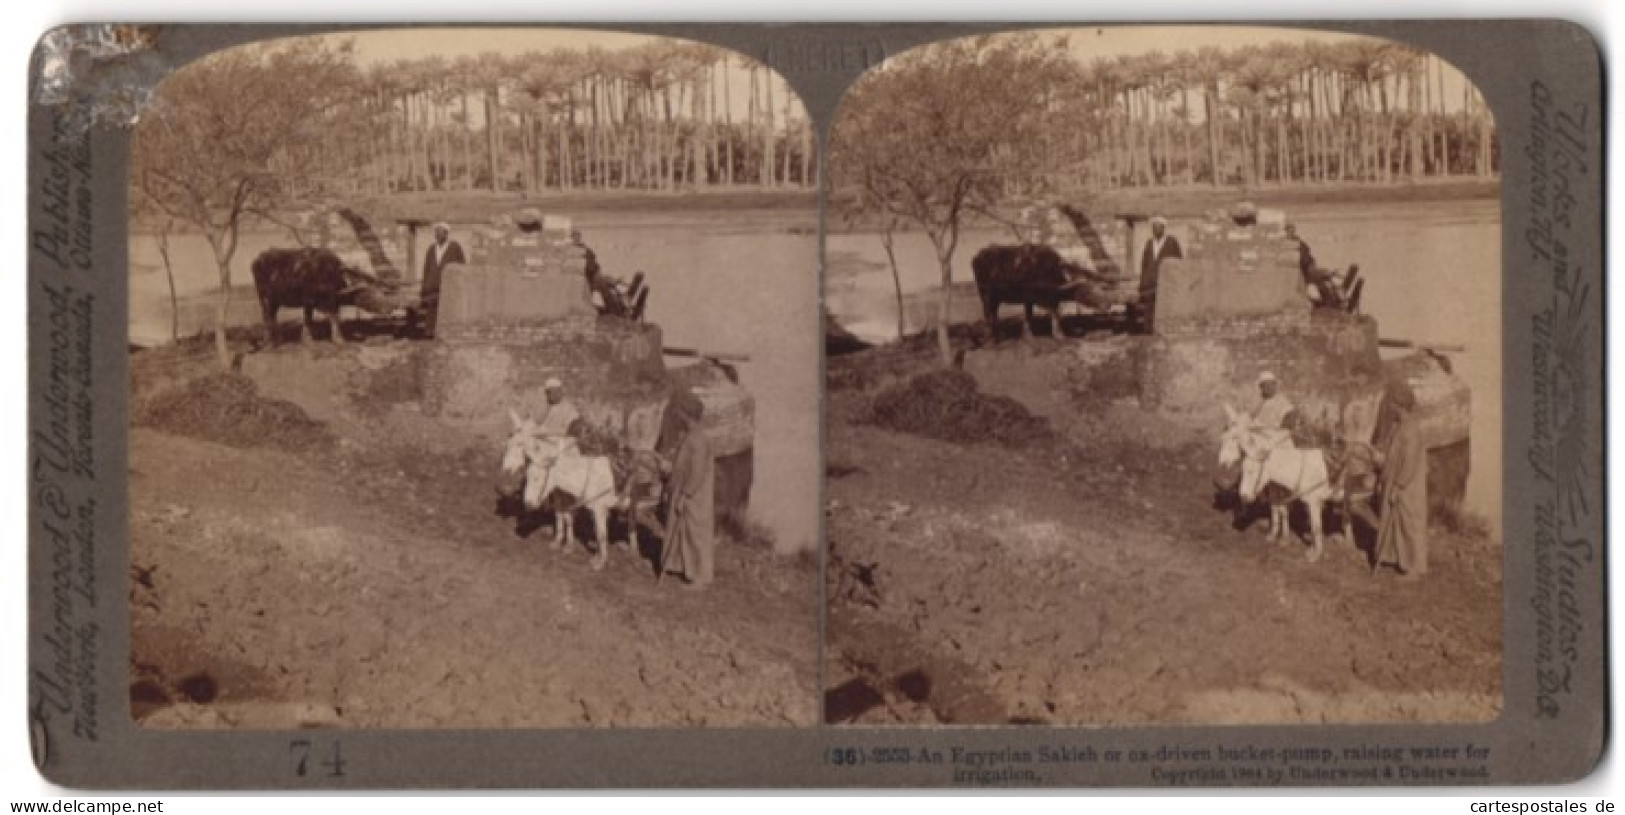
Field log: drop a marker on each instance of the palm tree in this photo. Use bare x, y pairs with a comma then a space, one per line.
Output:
1185, 75
1285, 61
1252, 78
1365, 63
465, 80
1411, 65
645, 71
1209, 65
490, 75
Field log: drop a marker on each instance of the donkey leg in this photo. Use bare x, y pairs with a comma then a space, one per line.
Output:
1318, 548
600, 521
304, 329
561, 530
630, 544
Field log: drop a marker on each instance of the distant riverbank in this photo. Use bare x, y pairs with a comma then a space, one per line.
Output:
1189, 201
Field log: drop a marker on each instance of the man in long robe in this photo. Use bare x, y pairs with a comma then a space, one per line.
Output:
442, 253
690, 519
1402, 537
1159, 247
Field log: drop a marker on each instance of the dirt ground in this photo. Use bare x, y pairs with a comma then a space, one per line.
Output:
370, 582
1091, 578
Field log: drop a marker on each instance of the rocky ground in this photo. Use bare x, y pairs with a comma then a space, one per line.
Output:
289, 572
1087, 576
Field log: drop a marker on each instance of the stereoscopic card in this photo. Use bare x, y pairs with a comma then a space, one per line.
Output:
444, 406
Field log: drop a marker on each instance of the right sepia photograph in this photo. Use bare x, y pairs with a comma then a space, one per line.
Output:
1163, 383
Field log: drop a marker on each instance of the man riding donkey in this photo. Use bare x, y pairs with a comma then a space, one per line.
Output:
559, 415
1284, 468
562, 437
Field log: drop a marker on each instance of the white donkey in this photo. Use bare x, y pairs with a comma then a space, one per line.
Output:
1267, 456
555, 465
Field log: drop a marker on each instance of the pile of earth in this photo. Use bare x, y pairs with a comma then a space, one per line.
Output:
228, 408
946, 405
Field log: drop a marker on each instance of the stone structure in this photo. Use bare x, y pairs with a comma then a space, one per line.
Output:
1328, 364
521, 312
1229, 272
1236, 305
518, 313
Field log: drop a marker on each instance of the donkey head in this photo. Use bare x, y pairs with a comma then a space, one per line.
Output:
516, 454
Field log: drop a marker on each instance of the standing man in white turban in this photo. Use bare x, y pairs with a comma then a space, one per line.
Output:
442, 253
1159, 247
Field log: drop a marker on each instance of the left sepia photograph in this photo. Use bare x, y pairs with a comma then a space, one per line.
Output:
473, 383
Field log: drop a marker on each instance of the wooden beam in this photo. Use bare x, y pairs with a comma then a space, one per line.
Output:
695, 352
1425, 346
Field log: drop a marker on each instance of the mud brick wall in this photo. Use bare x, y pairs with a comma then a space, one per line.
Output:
1445, 403
516, 275
614, 372
1328, 365
1230, 271
477, 385
729, 415
474, 295
584, 349
553, 246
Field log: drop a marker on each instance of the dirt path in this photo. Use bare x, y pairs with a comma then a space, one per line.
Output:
972, 584
357, 595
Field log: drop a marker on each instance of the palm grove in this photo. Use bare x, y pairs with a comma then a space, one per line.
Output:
947, 132
240, 137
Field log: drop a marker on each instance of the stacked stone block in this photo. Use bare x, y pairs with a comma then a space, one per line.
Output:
515, 276
1230, 271
1328, 365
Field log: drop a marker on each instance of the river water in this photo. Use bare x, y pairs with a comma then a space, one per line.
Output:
1433, 273
744, 283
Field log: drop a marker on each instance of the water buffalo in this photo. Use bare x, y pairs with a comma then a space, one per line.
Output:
1027, 274
301, 278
